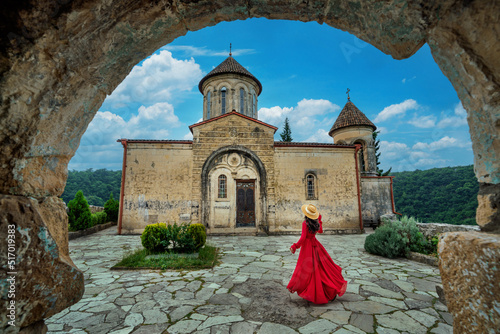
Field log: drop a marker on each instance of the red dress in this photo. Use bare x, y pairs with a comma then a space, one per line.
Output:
316, 277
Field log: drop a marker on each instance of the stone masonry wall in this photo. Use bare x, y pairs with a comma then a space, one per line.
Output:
232, 131
376, 199
336, 187
157, 185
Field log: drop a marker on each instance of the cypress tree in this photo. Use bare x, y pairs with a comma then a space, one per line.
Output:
286, 135
79, 213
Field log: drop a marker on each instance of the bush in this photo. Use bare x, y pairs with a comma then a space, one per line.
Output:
111, 208
153, 236
79, 213
199, 234
178, 238
396, 238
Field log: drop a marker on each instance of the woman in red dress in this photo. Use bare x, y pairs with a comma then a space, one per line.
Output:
316, 277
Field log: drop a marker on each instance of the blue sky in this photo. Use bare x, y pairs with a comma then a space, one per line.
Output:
305, 70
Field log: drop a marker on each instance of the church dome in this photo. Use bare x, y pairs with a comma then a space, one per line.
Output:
229, 66
351, 116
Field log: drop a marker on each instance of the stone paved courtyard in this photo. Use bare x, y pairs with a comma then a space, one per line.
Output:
247, 292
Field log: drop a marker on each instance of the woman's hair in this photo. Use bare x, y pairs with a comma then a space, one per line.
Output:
312, 224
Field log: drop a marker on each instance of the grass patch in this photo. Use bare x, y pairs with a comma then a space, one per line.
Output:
208, 257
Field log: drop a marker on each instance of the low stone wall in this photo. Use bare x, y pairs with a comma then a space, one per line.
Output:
422, 258
430, 230
94, 209
93, 229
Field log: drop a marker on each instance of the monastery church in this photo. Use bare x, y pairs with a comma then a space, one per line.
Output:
235, 179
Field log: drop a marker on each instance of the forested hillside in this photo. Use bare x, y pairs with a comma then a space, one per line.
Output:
439, 195
95, 184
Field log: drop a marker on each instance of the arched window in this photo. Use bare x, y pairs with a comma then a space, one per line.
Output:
254, 106
222, 186
223, 100
361, 156
311, 186
242, 101
208, 104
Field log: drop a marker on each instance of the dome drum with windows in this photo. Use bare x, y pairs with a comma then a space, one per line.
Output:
229, 87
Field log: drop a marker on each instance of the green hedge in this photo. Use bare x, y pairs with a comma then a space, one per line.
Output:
178, 238
99, 218
79, 216
397, 238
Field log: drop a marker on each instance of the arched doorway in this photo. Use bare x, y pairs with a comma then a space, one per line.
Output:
234, 191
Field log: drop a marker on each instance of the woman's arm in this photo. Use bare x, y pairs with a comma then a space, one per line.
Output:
320, 225
298, 244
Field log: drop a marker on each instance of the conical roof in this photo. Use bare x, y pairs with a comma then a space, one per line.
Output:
351, 116
230, 65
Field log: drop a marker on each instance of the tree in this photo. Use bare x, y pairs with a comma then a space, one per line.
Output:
79, 215
380, 172
286, 135
111, 208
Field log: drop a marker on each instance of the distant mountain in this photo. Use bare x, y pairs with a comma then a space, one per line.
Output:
95, 184
439, 195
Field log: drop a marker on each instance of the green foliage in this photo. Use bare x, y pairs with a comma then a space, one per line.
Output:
380, 172
396, 238
207, 258
286, 135
79, 213
177, 238
153, 236
111, 208
199, 234
439, 195
97, 184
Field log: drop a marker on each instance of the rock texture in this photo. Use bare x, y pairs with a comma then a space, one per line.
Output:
46, 281
430, 230
470, 271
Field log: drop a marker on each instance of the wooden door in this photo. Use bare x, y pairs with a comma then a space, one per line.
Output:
245, 203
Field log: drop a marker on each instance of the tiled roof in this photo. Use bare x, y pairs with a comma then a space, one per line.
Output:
351, 116
305, 144
230, 65
159, 141
232, 113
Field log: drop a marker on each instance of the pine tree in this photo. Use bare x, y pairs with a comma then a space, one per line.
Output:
111, 208
79, 215
380, 172
286, 135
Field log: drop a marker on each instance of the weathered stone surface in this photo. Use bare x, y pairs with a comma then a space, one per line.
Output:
430, 230
45, 283
488, 210
470, 270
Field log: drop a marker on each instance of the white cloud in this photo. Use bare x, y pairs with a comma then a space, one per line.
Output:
303, 118
392, 150
423, 121
396, 109
98, 144
321, 136
193, 51
459, 119
157, 79
443, 143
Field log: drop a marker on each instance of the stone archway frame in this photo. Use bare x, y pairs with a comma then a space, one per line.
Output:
210, 163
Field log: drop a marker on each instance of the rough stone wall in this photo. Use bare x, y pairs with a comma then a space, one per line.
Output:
430, 230
337, 192
157, 185
232, 130
469, 263
376, 198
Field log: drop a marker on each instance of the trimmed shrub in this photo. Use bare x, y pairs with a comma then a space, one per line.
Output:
396, 238
153, 237
79, 216
111, 208
102, 217
199, 234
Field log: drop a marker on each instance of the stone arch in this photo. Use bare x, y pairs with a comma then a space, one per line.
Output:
210, 163
80, 51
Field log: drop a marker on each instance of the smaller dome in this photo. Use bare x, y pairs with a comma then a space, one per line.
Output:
351, 116
230, 65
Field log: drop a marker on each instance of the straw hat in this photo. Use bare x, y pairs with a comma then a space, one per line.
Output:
310, 211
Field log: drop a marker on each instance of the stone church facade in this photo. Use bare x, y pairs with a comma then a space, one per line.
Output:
235, 179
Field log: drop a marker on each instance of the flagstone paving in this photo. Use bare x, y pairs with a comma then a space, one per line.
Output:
247, 292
